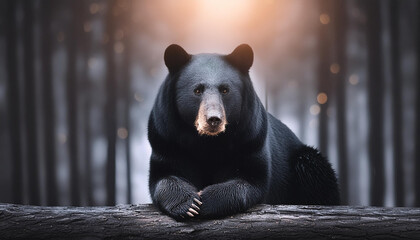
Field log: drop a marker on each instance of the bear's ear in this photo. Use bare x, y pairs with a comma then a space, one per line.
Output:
175, 57
242, 57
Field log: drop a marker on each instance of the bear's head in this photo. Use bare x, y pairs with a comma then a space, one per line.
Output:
209, 87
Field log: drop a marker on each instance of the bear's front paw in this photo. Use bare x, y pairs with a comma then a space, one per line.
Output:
184, 207
212, 203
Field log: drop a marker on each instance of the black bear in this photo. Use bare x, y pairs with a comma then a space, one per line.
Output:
215, 149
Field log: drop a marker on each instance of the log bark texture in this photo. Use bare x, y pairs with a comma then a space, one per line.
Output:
262, 221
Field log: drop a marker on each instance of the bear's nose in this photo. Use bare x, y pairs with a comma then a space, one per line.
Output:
214, 121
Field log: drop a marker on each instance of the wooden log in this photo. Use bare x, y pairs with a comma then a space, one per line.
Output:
260, 222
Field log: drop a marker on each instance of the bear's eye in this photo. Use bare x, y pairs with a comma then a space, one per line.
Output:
224, 90
198, 91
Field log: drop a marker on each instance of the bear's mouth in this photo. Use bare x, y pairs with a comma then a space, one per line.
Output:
210, 130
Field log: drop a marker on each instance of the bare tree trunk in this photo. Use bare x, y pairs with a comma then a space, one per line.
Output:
86, 88
13, 101
110, 106
30, 105
72, 96
127, 93
6, 160
302, 112
87, 106
259, 222
375, 99
340, 27
417, 126
396, 103
324, 71
48, 102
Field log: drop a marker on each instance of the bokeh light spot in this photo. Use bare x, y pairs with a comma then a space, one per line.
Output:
138, 97
354, 79
94, 8
92, 62
324, 18
322, 98
315, 109
335, 68
62, 138
122, 133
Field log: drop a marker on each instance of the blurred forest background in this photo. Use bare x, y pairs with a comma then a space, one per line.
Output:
78, 80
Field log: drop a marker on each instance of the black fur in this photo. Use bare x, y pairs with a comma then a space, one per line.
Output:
256, 160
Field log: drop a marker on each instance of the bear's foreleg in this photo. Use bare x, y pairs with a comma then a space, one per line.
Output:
246, 187
229, 198
176, 197
172, 194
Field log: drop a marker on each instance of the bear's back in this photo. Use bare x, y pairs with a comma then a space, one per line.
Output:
281, 145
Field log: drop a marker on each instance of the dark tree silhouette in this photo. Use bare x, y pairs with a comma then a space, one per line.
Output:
397, 114
417, 126
48, 103
5, 161
30, 105
72, 96
88, 140
375, 87
13, 101
340, 35
303, 111
110, 105
86, 88
324, 75
126, 93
